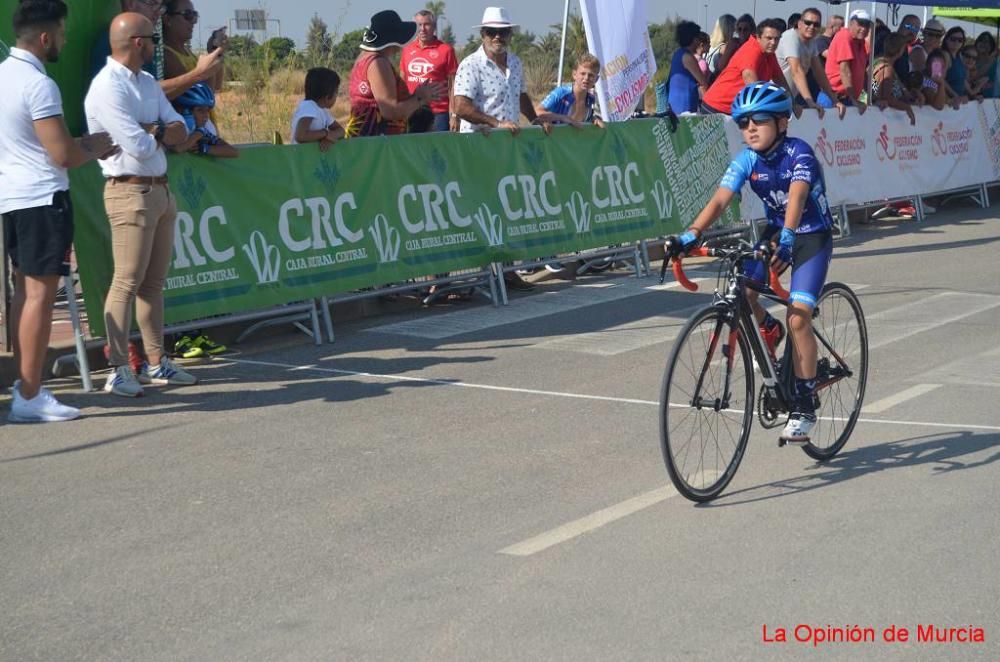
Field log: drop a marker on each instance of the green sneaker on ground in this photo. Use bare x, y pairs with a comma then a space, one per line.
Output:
186, 348
208, 345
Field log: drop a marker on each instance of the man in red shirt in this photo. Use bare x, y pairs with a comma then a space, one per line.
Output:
429, 59
755, 60
847, 62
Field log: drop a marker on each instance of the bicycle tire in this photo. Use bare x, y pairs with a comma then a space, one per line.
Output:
841, 321
681, 420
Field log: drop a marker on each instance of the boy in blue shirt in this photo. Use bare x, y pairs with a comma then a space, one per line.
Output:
785, 174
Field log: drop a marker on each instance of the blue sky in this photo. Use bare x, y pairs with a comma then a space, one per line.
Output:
535, 15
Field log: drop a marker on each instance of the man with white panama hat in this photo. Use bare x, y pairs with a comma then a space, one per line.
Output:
490, 90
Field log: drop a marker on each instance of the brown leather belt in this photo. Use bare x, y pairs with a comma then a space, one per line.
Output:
136, 179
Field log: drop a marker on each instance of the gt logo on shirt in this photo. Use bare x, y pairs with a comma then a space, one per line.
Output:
419, 67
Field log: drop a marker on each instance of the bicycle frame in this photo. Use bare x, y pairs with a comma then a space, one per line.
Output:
734, 300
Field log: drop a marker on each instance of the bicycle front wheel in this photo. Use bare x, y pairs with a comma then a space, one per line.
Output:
842, 343
706, 404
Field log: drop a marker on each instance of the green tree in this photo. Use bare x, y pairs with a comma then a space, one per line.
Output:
346, 50
278, 49
522, 43
318, 41
243, 47
436, 8
473, 43
447, 35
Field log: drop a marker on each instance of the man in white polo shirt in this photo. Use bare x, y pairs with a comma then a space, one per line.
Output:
35, 151
128, 103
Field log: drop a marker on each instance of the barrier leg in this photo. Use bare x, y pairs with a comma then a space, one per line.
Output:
81, 345
921, 212
498, 276
843, 223
986, 196
314, 317
644, 248
494, 291
324, 302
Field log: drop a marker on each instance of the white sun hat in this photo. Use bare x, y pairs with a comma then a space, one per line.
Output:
496, 17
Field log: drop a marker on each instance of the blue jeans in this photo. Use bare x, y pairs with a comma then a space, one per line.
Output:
441, 121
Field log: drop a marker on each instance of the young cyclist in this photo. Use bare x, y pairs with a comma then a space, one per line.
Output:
787, 177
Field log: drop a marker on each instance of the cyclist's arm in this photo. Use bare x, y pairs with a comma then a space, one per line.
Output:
798, 193
713, 210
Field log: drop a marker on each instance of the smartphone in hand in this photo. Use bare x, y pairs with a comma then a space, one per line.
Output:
216, 40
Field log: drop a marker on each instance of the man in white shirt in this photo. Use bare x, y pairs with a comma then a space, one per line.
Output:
128, 103
798, 56
490, 90
35, 152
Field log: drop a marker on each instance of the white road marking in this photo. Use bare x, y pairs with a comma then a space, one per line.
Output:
589, 523
887, 403
560, 394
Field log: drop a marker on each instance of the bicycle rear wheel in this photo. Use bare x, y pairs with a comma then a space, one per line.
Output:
704, 426
843, 369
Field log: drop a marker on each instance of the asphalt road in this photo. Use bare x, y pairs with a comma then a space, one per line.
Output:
468, 483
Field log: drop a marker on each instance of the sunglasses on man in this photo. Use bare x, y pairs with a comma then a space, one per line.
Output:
155, 38
810, 24
497, 32
759, 119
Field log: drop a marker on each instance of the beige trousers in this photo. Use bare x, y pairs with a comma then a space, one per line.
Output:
142, 237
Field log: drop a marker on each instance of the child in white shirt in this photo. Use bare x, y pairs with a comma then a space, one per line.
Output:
312, 122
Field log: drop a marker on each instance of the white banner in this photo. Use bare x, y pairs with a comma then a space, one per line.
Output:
879, 155
617, 34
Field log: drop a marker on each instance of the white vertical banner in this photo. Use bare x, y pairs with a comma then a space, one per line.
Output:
618, 34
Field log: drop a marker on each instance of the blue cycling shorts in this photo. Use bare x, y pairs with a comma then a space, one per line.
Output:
810, 263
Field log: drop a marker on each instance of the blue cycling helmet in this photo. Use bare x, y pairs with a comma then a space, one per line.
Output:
762, 97
198, 95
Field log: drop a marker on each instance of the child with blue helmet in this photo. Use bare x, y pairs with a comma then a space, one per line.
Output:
195, 106
786, 175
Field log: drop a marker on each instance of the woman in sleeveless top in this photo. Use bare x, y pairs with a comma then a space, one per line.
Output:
178, 28
380, 103
686, 78
887, 89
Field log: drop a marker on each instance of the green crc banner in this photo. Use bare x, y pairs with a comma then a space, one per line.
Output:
289, 223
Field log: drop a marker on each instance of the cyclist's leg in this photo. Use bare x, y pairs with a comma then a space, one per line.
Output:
756, 270
811, 262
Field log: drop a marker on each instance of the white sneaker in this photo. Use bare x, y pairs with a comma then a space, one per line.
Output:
122, 381
143, 375
797, 429
169, 372
43, 408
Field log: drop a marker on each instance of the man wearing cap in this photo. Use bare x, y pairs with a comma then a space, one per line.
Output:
490, 90
933, 34
847, 62
427, 58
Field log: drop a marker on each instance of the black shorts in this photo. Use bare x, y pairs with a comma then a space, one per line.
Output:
39, 239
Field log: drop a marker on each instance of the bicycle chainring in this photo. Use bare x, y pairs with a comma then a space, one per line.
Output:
768, 409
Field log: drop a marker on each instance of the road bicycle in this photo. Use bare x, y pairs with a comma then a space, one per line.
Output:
708, 399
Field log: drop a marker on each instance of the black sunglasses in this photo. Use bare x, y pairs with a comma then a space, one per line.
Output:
154, 37
757, 118
497, 32
188, 14
811, 24
955, 39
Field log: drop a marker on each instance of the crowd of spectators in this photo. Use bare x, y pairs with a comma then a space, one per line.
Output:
859, 62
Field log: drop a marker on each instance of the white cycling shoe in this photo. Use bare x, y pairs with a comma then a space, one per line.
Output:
796, 432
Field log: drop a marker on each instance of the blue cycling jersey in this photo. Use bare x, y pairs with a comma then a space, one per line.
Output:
771, 174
